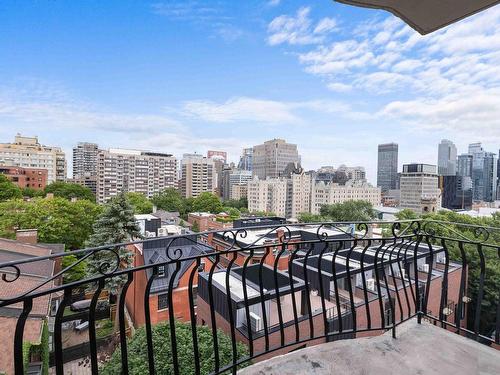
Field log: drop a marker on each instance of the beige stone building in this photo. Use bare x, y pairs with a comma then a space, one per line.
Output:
269, 195
420, 188
198, 175
272, 157
27, 152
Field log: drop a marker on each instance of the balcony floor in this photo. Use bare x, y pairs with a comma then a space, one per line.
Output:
418, 349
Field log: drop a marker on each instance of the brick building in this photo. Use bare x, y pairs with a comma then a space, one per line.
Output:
35, 178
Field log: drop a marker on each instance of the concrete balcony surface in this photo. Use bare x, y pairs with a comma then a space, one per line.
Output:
418, 349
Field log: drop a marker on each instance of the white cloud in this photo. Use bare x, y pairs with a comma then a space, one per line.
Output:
454, 73
298, 29
273, 3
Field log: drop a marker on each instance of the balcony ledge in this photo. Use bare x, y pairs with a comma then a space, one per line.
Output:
418, 349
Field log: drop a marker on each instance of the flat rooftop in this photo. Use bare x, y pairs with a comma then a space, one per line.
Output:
412, 352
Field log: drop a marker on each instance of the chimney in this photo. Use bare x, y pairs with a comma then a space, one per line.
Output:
29, 236
49, 195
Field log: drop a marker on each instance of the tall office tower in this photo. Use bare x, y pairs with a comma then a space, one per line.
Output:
464, 166
490, 176
197, 175
120, 170
269, 195
420, 188
387, 167
447, 158
272, 157
85, 156
456, 192
27, 152
246, 159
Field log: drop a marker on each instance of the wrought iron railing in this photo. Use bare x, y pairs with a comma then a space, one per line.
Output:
273, 289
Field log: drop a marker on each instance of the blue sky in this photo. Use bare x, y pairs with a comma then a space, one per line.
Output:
185, 76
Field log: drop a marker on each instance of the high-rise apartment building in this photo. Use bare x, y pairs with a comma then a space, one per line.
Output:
298, 194
447, 158
353, 173
387, 167
197, 175
27, 152
269, 195
420, 188
120, 170
85, 156
246, 159
271, 158
237, 186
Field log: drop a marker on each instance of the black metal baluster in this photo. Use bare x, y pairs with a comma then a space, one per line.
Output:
171, 317
18, 337
308, 292
335, 285
245, 301
391, 300
262, 299
461, 292
349, 285
121, 322
407, 298
429, 275
212, 313
477, 316
147, 315
231, 305
418, 298
363, 280
377, 281
277, 290
92, 334
444, 286
292, 290
322, 289
192, 314
58, 352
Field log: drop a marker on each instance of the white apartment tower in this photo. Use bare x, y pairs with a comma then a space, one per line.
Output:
121, 170
85, 156
27, 152
420, 188
298, 194
198, 175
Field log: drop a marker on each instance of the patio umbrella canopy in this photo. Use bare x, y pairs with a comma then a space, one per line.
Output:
427, 16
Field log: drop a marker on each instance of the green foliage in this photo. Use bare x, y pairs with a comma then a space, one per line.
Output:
69, 190
170, 200
195, 227
75, 273
138, 360
351, 210
8, 190
57, 220
406, 214
31, 193
140, 203
233, 213
115, 225
306, 217
239, 204
40, 349
207, 202
491, 260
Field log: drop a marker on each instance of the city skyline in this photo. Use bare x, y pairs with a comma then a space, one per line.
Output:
162, 77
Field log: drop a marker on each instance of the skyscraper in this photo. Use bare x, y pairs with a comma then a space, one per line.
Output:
490, 174
464, 167
387, 168
246, 159
272, 157
447, 158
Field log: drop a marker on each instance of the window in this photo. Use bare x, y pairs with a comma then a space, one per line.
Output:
162, 301
161, 271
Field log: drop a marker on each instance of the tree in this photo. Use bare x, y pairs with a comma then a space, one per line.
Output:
170, 200
306, 217
351, 210
69, 190
115, 225
8, 190
239, 204
406, 214
31, 193
138, 351
75, 273
195, 227
57, 220
140, 203
207, 202
233, 213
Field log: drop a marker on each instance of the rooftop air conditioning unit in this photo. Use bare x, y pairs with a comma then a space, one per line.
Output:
150, 234
162, 232
441, 258
424, 268
255, 322
370, 284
